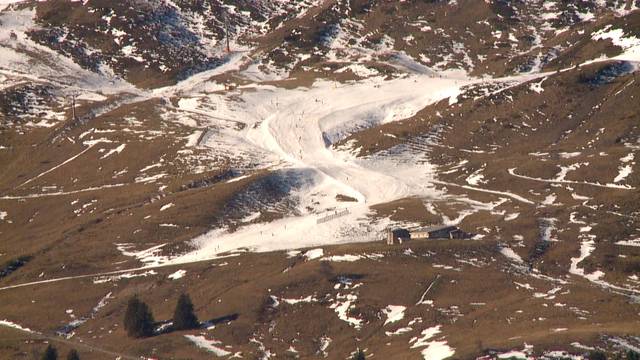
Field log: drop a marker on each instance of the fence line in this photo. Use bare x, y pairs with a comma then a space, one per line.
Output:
332, 216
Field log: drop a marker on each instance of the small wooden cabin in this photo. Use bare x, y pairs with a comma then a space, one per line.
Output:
397, 236
439, 232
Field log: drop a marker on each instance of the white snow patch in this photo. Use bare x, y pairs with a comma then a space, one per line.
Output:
343, 258
166, 206
587, 246
513, 354
623, 172
400, 331
177, 275
627, 158
149, 257
629, 43
237, 178
209, 345
476, 178
117, 150
313, 254
569, 155
10, 324
90, 96
512, 216
307, 299
394, 313
342, 306
537, 86
550, 199
192, 140
129, 275
152, 178
632, 242
511, 255
434, 349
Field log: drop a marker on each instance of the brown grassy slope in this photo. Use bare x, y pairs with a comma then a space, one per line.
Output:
577, 119
69, 222
481, 299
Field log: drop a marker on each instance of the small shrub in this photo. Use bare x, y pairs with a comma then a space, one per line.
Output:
12, 265
597, 355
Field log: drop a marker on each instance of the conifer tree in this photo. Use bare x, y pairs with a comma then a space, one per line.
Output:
597, 355
138, 320
183, 316
359, 355
73, 355
50, 353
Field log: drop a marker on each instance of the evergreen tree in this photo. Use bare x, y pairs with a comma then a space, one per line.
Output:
50, 354
183, 316
358, 355
73, 355
138, 321
597, 355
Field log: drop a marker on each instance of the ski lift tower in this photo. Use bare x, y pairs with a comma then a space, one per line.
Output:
74, 95
226, 30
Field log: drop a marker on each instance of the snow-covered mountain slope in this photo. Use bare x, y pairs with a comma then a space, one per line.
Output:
138, 155
149, 43
154, 43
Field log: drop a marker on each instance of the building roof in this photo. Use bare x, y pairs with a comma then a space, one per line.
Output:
435, 228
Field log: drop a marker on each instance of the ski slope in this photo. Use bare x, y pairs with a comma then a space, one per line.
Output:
296, 129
